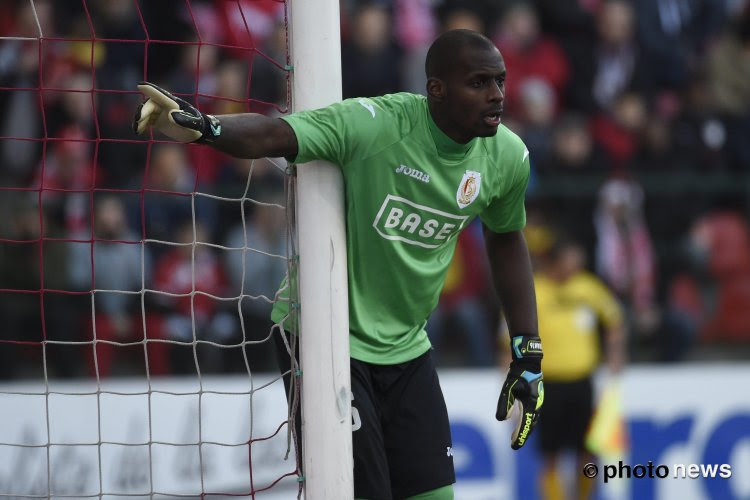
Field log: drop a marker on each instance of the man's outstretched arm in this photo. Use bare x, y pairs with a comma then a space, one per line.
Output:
251, 135
246, 135
511, 270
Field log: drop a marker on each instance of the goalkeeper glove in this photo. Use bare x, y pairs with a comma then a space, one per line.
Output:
174, 117
524, 384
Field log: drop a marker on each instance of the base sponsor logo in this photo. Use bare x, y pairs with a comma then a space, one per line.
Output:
403, 220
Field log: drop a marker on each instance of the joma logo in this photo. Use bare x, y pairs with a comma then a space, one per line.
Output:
413, 172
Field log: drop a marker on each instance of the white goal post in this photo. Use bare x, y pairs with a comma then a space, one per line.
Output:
315, 46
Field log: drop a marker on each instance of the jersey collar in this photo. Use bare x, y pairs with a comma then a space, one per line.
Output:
446, 147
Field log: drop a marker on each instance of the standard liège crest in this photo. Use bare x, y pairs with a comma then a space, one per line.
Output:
468, 188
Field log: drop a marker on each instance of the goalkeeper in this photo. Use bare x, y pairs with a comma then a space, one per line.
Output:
417, 170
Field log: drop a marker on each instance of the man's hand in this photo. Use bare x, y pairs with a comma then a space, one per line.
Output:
174, 117
524, 384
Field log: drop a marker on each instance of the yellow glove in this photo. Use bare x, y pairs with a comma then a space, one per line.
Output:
525, 384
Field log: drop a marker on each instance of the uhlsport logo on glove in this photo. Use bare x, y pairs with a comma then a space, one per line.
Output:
525, 385
528, 420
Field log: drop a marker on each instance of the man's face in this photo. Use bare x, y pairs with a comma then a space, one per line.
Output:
474, 93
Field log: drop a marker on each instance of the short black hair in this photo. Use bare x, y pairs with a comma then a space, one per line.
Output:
442, 55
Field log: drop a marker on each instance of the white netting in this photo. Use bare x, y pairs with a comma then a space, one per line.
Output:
137, 356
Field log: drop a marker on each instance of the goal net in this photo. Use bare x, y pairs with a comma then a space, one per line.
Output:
137, 357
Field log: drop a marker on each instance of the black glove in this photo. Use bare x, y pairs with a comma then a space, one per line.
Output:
524, 384
174, 117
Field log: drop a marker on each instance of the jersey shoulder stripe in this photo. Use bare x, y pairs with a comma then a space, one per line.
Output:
401, 111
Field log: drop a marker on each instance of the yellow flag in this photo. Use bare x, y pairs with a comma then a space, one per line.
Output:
607, 435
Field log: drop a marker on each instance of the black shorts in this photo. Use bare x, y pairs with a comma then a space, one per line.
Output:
401, 434
566, 414
403, 446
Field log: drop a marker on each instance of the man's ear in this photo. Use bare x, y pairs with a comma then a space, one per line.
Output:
436, 89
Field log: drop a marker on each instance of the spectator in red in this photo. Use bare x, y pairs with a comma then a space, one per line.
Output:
715, 294
619, 129
529, 54
184, 275
247, 23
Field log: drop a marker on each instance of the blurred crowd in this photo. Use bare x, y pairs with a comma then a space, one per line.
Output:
635, 112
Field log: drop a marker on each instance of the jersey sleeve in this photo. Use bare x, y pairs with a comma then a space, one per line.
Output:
342, 131
507, 211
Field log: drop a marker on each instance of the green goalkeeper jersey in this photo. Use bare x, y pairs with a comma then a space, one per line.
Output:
410, 190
